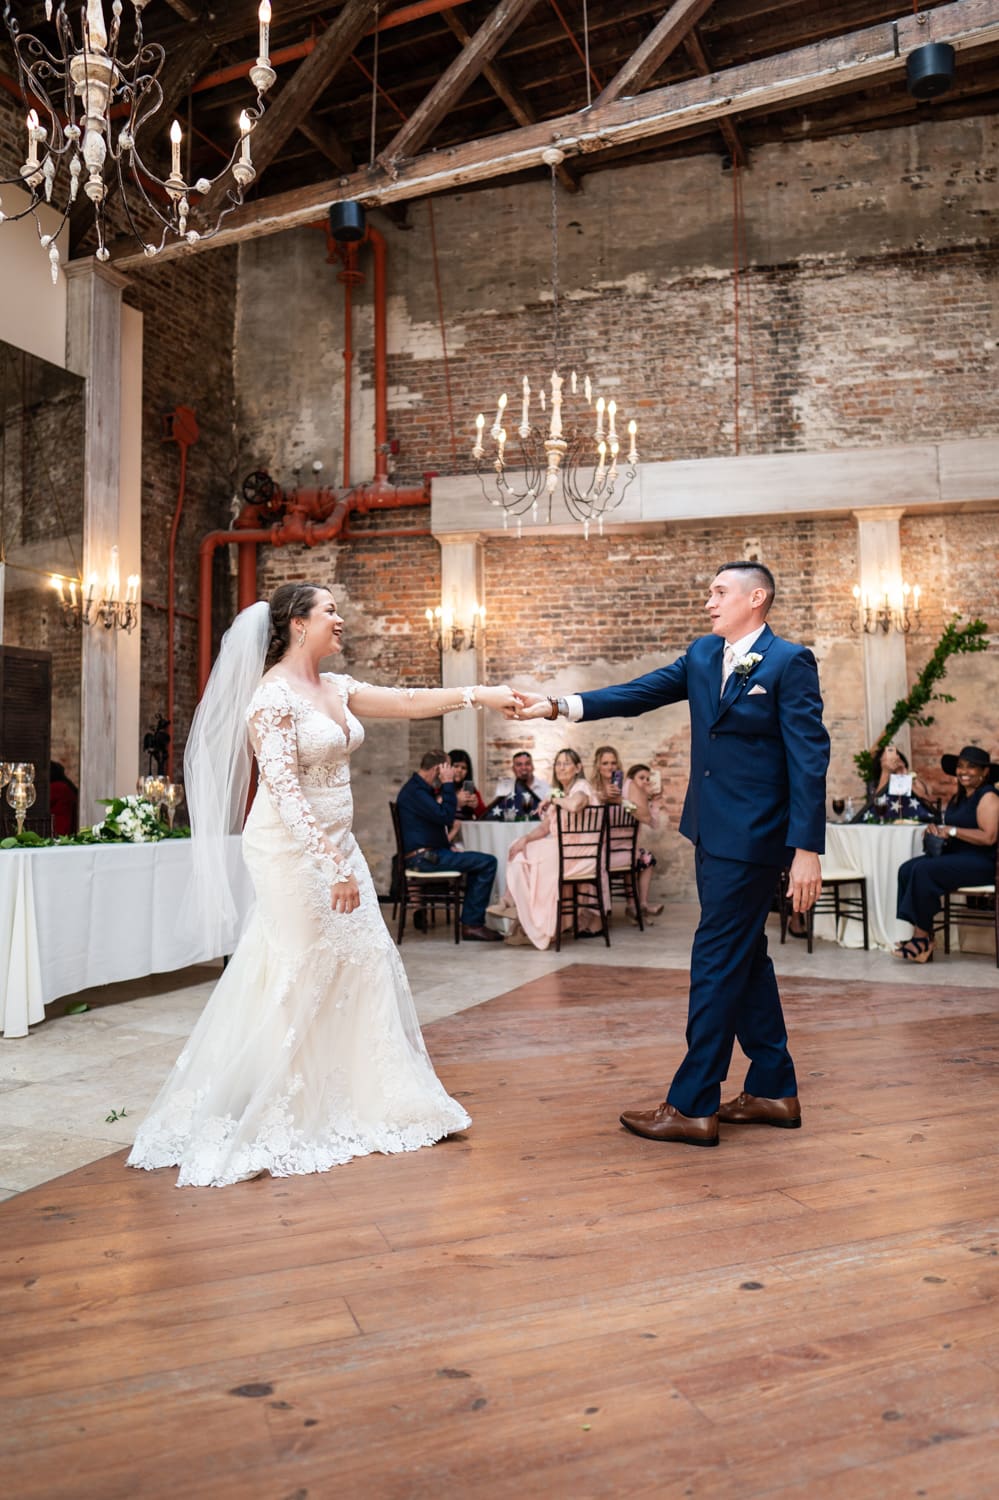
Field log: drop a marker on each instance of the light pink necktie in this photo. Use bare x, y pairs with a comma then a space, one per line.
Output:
728, 662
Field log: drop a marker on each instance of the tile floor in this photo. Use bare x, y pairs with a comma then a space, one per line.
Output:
59, 1085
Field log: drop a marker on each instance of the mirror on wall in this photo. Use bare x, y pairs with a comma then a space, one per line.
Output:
41, 534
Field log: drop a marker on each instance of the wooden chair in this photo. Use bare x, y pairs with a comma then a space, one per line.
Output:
425, 890
977, 908
849, 906
582, 838
621, 850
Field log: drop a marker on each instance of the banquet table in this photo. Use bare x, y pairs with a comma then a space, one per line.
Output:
876, 850
74, 917
494, 836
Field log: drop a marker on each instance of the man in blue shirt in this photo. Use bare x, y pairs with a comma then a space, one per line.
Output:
425, 821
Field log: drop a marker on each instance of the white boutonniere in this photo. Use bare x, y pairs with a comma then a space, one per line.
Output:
743, 665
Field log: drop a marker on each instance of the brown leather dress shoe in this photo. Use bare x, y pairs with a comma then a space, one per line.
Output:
748, 1110
480, 935
668, 1124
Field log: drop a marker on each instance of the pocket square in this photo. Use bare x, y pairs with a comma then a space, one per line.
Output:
755, 689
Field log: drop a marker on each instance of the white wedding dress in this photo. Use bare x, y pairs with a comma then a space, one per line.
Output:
309, 1050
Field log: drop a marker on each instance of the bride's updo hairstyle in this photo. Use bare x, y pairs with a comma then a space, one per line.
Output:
290, 601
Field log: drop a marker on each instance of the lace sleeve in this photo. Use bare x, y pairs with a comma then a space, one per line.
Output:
272, 726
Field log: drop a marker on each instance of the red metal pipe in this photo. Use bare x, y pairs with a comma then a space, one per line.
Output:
297, 528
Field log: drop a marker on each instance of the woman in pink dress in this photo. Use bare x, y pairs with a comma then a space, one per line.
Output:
532, 863
638, 791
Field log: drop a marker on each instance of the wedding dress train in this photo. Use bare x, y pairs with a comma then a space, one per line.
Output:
309, 1050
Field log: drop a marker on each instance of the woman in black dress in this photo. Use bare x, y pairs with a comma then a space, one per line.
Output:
970, 829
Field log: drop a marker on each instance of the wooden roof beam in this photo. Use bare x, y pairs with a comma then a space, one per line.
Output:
863, 57
661, 42
504, 87
699, 58
453, 82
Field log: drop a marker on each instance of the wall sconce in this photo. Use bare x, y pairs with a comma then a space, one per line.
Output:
112, 611
448, 634
892, 609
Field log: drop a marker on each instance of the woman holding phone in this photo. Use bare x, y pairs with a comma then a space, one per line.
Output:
608, 778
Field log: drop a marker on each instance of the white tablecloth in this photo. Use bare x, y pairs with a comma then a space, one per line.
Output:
495, 837
877, 851
75, 917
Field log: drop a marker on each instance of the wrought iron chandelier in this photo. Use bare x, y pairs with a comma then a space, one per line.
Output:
580, 458
892, 609
87, 104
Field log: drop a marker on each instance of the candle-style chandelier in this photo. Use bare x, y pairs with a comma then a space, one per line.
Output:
891, 609
87, 103
114, 610
581, 459
447, 630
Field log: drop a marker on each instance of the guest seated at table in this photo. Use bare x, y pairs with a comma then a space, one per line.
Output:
470, 803
532, 888
427, 805
893, 793
637, 790
608, 778
524, 792
967, 849
63, 800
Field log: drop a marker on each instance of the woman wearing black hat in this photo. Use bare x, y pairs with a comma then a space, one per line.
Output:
970, 831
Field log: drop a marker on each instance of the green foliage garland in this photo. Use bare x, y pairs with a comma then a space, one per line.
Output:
956, 640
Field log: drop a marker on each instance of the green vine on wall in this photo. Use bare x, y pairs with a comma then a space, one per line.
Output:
956, 640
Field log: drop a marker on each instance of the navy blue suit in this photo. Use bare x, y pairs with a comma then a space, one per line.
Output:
756, 792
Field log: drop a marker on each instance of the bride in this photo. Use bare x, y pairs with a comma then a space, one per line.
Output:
309, 1051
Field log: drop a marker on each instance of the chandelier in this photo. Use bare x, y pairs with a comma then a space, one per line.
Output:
114, 610
891, 609
87, 103
580, 457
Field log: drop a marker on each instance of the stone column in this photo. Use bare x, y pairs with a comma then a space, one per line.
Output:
93, 350
879, 555
462, 589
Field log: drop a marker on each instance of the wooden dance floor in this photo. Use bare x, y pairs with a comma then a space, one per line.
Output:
548, 1305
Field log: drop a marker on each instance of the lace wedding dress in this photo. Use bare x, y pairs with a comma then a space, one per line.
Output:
309, 1051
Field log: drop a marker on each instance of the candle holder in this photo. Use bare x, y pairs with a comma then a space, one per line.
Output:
20, 796
173, 796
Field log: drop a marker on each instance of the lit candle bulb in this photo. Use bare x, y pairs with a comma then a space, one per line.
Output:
35, 133
611, 418
525, 425
244, 133
91, 587
480, 423
587, 390
632, 450
500, 444
57, 585
615, 448
601, 466
175, 140
133, 588
572, 382
600, 418
500, 409
915, 597
264, 17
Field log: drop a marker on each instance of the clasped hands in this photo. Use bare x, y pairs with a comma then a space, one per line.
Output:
527, 705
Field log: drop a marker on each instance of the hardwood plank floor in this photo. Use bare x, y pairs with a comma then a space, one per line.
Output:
547, 1305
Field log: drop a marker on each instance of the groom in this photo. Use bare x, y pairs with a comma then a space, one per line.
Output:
755, 803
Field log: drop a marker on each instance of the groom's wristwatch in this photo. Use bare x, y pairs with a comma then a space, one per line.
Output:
952, 833
559, 706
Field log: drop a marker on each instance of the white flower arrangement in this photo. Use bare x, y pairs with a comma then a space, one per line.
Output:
743, 665
130, 820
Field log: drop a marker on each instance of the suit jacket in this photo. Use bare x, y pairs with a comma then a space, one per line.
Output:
757, 760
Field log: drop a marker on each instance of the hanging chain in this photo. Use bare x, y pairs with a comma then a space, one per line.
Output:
374, 92
555, 267
586, 49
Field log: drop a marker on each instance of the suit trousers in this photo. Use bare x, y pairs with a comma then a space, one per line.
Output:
733, 989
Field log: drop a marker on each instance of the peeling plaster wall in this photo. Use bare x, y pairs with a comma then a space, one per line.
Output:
869, 318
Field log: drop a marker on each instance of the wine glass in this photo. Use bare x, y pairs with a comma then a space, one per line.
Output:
21, 796
23, 770
6, 769
839, 807
152, 789
173, 796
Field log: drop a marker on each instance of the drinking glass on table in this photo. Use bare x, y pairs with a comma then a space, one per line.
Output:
839, 807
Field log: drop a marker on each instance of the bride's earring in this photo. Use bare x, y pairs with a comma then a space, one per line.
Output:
301, 636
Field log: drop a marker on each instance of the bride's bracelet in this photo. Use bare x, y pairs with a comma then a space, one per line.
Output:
469, 698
